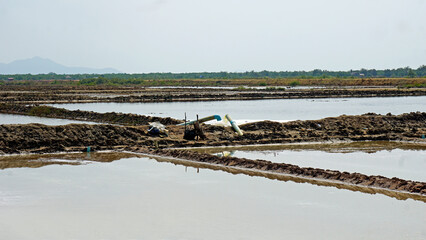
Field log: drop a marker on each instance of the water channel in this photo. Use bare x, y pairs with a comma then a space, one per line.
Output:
140, 198
277, 109
21, 119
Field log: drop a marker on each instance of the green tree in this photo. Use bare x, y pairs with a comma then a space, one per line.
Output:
411, 73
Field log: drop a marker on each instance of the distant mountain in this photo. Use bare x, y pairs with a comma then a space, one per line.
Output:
38, 65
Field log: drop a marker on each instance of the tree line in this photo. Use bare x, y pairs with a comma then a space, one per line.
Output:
317, 73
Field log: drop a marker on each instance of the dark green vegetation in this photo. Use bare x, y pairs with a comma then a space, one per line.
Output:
124, 78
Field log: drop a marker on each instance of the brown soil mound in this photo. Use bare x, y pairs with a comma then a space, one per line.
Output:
41, 138
409, 126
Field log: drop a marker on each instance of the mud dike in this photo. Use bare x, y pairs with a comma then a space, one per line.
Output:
37, 138
49, 94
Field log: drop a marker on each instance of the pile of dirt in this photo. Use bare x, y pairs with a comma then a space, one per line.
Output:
42, 138
282, 168
110, 117
37, 137
409, 127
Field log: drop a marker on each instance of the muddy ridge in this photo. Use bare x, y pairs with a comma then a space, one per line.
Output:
111, 117
283, 168
41, 138
33, 95
370, 126
38, 138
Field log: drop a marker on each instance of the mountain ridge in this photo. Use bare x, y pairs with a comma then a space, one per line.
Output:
38, 65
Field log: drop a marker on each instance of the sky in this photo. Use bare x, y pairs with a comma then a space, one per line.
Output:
138, 36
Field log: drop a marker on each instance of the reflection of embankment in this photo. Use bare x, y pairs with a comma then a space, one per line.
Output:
284, 171
329, 147
41, 160
289, 177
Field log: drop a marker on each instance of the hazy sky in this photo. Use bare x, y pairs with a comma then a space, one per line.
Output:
216, 35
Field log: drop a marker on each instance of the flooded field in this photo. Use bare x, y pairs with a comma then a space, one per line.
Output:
140, 198
279, 109
21, 119
127, 196
406, 161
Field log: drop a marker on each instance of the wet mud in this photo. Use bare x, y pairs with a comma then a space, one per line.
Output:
38, 138
370, 126
17, 138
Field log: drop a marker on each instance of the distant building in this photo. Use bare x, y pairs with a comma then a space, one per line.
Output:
357, 74
68, 77
10, 79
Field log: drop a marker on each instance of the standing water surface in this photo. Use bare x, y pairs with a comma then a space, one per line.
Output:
378, 158
277, 109
139, 198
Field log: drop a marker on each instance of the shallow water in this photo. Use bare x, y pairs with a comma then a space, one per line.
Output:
139, 198
41, 160
389, 160
22, 119
277, 109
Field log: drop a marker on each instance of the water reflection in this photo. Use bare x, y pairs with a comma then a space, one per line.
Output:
390, 159
22, 119
329, 147
138, 198
41, 160
296, 179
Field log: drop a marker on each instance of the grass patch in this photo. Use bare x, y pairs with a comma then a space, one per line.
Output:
294, 83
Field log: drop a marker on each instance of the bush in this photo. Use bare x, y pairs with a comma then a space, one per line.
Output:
294, 84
